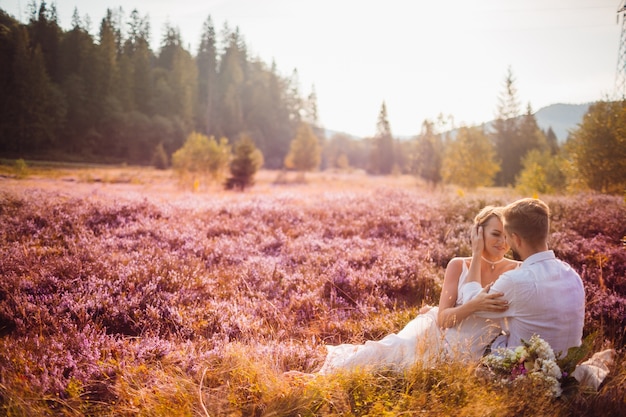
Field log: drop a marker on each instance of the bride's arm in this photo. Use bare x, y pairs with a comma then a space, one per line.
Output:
450, 314
447, 300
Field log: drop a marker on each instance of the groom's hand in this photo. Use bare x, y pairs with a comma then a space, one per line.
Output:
491, 301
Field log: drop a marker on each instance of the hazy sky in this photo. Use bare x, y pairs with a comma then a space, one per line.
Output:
421, 57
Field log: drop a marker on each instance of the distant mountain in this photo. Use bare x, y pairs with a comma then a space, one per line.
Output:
563, 118
329, 133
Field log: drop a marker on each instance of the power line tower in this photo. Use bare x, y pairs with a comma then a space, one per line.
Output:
620, 77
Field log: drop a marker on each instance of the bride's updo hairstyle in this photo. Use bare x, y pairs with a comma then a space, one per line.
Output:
529, 218
487, 213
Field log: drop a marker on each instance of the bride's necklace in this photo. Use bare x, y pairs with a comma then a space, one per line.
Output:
493, 264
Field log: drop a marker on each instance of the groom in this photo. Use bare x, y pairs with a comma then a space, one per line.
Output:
545, 295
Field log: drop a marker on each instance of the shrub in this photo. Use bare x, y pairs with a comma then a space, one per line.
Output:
202, 157
20, 168
244, 165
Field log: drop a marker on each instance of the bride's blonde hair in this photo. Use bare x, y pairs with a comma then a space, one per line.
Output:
487, 213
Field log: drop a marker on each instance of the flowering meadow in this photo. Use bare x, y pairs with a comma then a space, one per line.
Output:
140, 298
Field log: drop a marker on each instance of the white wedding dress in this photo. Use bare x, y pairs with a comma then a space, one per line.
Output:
420, 340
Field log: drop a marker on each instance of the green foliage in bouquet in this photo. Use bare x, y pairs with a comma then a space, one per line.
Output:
568, 364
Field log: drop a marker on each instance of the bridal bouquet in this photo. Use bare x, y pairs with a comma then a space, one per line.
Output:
535, 360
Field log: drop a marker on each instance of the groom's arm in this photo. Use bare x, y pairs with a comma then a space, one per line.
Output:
504, 285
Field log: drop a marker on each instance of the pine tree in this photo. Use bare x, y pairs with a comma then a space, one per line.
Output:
106, 68
293, 98
206, 61
231, 80
551, 139
311, 115
45, 32
530, 135
282, 117
428, 154
137, 48
180, 75
76, 51
506, 132
382, 158
8, 44
244, 165
37, 107
104, 101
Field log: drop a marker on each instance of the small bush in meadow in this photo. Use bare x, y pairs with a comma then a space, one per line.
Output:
20, 169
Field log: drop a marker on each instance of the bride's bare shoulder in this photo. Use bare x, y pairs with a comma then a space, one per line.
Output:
512, 264
458, 261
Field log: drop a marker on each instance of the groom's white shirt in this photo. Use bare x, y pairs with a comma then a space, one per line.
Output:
546, 297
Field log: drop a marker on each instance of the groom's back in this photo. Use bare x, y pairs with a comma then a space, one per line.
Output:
546, 298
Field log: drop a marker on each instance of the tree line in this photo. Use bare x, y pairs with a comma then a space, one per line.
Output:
513, 151
66, 95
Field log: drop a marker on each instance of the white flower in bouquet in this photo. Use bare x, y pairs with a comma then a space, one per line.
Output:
534, 359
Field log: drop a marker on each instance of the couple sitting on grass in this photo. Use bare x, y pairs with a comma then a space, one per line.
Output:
489, 301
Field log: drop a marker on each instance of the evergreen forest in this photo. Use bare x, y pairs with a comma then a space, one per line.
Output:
110, 98
67, 95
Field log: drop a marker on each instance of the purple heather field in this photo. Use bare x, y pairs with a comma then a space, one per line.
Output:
97, 280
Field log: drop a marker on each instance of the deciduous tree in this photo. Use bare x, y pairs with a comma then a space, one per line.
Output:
542, 172
202, 158
598, 147
469, 160
305, 151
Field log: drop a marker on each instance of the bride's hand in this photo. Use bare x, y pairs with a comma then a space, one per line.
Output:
425, 309
486, 301
477, 239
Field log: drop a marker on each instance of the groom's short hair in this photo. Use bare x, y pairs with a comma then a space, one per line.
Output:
529, 218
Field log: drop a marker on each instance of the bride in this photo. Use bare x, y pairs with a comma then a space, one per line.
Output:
449, 330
